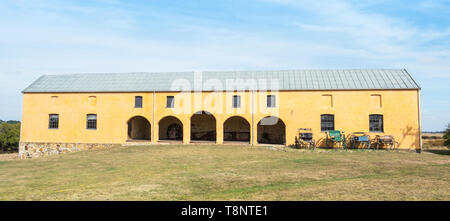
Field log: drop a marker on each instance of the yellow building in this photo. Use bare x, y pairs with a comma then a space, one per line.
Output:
64, 113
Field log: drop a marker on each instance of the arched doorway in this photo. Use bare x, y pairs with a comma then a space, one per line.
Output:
170, 128
236, 129
139, 128
203, 126
271, 130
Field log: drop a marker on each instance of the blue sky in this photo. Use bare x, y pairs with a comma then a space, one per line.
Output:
56, 37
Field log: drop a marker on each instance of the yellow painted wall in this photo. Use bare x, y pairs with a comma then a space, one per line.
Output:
297, 109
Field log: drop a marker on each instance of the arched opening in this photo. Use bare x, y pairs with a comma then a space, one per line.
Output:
203, 126
170, 128
138, 128
236, 129
271, 130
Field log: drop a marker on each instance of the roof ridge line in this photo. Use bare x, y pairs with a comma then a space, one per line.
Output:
218, 71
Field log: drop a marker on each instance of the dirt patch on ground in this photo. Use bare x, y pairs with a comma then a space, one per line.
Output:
8, 156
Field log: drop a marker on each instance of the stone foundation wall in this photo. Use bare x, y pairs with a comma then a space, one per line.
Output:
39, 149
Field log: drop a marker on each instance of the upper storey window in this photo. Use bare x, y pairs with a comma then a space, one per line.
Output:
270, 100
170, 102
236, 101
138, 102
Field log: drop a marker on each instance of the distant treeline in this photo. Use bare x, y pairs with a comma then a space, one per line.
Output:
9, 135
433, 132
10, 121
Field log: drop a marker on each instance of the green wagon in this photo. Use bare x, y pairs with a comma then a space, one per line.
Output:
336, 136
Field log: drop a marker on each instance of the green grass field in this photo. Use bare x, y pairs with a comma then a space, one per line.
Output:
210, 172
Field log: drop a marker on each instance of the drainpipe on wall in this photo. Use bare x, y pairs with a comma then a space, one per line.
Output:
420, 121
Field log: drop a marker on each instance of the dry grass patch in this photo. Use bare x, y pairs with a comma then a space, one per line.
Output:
8, 156
210, 172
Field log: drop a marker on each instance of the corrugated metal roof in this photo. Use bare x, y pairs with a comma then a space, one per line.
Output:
346, 79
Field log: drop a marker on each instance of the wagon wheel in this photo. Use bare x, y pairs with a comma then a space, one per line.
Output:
394, 145
312, 145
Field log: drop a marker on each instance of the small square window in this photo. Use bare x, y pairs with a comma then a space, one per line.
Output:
170, 102
375, 100
53, 121
270, 100
138, 102
92, 101
236, 101
53, 101
327, 100
91, 122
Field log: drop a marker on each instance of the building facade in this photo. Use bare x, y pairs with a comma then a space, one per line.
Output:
64, 113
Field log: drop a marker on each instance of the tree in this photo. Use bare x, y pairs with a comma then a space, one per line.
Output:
9, 136
447, 136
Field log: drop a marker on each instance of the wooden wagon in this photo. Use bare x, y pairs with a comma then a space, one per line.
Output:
305, 139
385, 141
357, 138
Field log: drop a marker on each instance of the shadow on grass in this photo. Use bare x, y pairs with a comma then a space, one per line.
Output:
440, 152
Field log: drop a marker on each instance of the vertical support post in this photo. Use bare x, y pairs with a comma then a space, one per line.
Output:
419, 121
253, 135
153, 120
219, 132
187, 131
